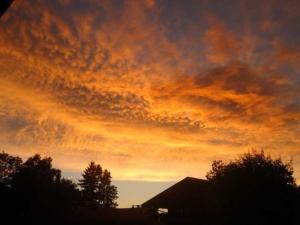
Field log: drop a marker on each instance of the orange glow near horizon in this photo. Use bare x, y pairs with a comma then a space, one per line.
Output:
152, 90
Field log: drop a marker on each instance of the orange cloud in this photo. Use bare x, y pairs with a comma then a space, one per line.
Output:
223, 46
123, 84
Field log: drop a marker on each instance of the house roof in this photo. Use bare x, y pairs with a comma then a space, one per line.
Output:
189, 192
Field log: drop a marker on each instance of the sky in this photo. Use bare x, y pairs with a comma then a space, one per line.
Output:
153, 90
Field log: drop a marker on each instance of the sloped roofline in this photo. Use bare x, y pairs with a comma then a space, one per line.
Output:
175, 185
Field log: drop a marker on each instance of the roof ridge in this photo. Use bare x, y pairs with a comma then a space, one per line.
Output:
179, 183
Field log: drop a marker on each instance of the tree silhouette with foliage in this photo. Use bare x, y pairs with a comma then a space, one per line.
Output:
34, 191
9, 165
97, 189
109, 192
254, 189
37, 171
89, 184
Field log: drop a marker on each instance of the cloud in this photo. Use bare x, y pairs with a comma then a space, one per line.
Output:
286, 55
239, 78
222, 44
144, 86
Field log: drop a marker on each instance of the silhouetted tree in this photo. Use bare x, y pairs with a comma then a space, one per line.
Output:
89, 184
255, 189
96, 187
37, 171
40, 193
33, 192
9, 165
109, 191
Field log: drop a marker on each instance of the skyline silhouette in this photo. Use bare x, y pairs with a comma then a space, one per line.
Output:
33, 191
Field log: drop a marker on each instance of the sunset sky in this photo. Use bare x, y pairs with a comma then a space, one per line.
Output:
153, 90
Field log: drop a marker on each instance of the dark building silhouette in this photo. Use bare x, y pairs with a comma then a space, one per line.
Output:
4, 5
186, 200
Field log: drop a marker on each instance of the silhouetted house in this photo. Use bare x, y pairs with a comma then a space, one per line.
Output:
187, 199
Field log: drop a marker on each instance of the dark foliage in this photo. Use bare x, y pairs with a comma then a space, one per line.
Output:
97, 188
33, 192
254, 189
9, 165
36, 191
109, 191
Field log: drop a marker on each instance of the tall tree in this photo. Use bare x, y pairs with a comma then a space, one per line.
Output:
109, 191
89, 183
96, 187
